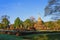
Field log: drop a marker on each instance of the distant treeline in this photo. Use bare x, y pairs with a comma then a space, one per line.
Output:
27, 24
53, 24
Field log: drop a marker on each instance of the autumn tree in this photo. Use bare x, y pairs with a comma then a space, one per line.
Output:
32, 19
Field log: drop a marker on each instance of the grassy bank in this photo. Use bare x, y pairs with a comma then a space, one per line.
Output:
9, 37
31, 37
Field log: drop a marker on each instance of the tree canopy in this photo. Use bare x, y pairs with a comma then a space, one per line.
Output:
53, 8
5, 22
17, 22
27, 23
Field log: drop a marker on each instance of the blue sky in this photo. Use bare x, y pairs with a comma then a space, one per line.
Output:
23, 9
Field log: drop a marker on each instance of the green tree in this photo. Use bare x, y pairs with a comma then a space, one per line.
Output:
49, 24
1, 25
58, 23
53, 8
5, 22
27, 23
17, 22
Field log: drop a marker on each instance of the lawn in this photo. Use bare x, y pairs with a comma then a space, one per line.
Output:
10, 37
31, 37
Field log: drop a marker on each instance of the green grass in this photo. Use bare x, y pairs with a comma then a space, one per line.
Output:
31, 37
43, 37
10, 37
